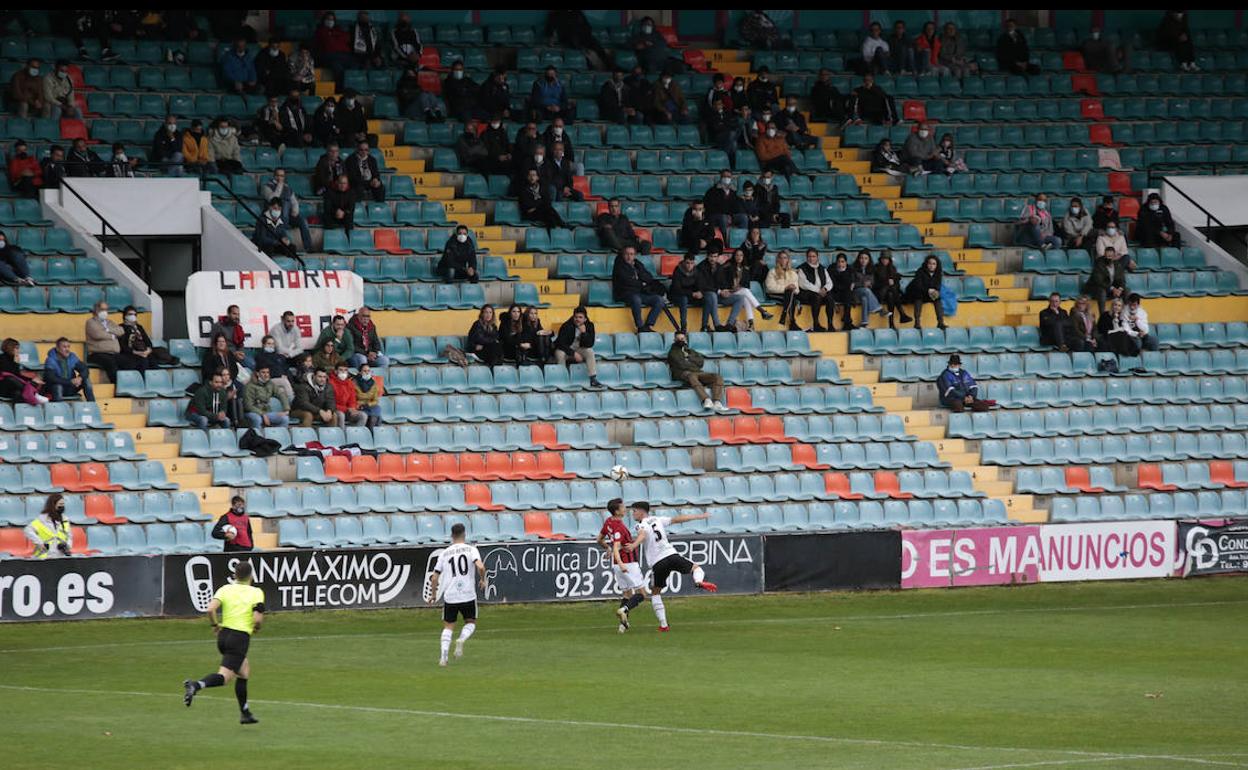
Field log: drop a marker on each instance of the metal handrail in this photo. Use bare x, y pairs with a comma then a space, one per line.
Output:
105, 226
1210, 219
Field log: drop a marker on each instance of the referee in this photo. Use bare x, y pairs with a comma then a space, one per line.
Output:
242, 613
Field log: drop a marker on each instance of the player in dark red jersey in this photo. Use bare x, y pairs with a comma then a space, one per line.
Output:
614, 535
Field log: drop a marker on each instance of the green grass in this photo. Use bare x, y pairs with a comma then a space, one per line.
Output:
1040, 676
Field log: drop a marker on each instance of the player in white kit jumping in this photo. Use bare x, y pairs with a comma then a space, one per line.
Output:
661, 554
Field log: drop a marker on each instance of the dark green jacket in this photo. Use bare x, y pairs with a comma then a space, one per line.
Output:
684, 361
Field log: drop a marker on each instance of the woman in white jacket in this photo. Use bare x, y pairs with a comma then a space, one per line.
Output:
782, 284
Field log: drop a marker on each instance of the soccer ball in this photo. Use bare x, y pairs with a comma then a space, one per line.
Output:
619, 472
230, 531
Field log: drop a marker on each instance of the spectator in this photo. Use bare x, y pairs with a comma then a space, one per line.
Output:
759, 31
272, 70
863, 272
927, 52
875, 50
287, 337
300, 368
328, 169
257, 394
217, 358
236, 517
58, 94
1013, 54
651, 47
691, 285
640, 93
1035, 226
747, 205
326, 356
65, 375
1108, 279
293, 120
25, 174
82, 161
272, 236
1100, 55
575, 344
771, 208
697, 233
954, 53
332, 46
495, 97
223, 148
303, 71
1083, 337
1055, 327
338, 207
270, 359
136, 345
350, 118
1076, 226
827, 104
615, 231
870, 104
483, 337
669, 104
26, 92
555, 134
887, 288
958, 391
1111, 336
842, 291
535, 204
364, 175
1154, 228
925, 288
685, 364
194, 151
365, 42
723, 206
17, 383
920, 152
549, 99
510, 330
793, 124
238, 69
499, 158
314, 400
325, 130
231, 327
755, 250
632, 284
122, 166
1115, 239
1106, 214
459, 258
774, 154
276, 187
735, 290
102, 346
885, 160
405, 45
459, 92
1174, 36
948, 154
781, 284
368, 396
762, 94
900, 51
207, 408
415, 102
1134, 322
534, 346
570, 28
814, 283
366, 340
167, 147
615, 102
14, 267
559, 177
719, 90
723, 130
49, 533
336, 332
233, 397
91, 23
346, 402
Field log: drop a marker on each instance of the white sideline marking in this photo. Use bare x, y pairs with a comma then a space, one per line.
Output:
1049, 763
1091, 755
590, 627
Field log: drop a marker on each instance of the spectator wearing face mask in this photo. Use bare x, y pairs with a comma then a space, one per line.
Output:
345, 398
122, 166
325, 131
772, 210
50, 533
223, 148
548, 99
460, 92
270, 358
364, 174
236, 517
669, 104
103, 347
957, 389
793, 124
26, 91
58, 94
650, 46
1035, 226
25, 175
272, 236
499, 156
368, 396
238, 69
272, 69
921, 153
762, 94
555, 134
1114, 238
1013, 53
774, 153
332, 46
291, 214
697, 232
723, 209
459, 258
136, 344
14, 268
257, 395
1076, 226
167, 147
351, 120
1154, 227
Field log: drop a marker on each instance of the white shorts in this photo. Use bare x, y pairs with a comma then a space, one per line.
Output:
629, 577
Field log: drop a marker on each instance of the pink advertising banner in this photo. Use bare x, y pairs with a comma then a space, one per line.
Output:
939, 558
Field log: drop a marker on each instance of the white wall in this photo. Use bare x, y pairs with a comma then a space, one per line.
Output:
1226, 197
158, 206
224, 247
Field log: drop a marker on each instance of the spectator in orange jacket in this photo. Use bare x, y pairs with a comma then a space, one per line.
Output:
773, 152
346, 400
25, 176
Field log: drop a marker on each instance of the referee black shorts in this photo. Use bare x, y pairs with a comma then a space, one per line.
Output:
468, 610
668, 565
233, 646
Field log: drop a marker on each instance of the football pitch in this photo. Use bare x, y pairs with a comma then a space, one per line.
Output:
1136, 675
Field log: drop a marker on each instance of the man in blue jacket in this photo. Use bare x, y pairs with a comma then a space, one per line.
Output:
65, 374
549, 99
958, 390
238, 69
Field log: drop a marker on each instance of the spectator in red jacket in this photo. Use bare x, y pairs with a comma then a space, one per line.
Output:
345, 398
25, 176
331, 46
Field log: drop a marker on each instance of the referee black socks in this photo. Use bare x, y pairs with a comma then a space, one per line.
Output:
212, 680
240, 692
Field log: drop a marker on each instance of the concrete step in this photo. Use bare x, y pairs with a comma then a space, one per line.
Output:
1011, 295
460, 206
895, 404
917, 218
883, 192
445, 193
530, 274
946, 242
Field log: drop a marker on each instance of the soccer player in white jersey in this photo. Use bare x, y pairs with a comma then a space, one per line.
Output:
459, 593
661, 554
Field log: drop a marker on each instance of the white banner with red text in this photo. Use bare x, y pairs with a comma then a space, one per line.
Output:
314, 296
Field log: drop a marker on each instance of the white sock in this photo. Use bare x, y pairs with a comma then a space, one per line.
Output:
660, 612
698, 575
466, 632
446, 640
